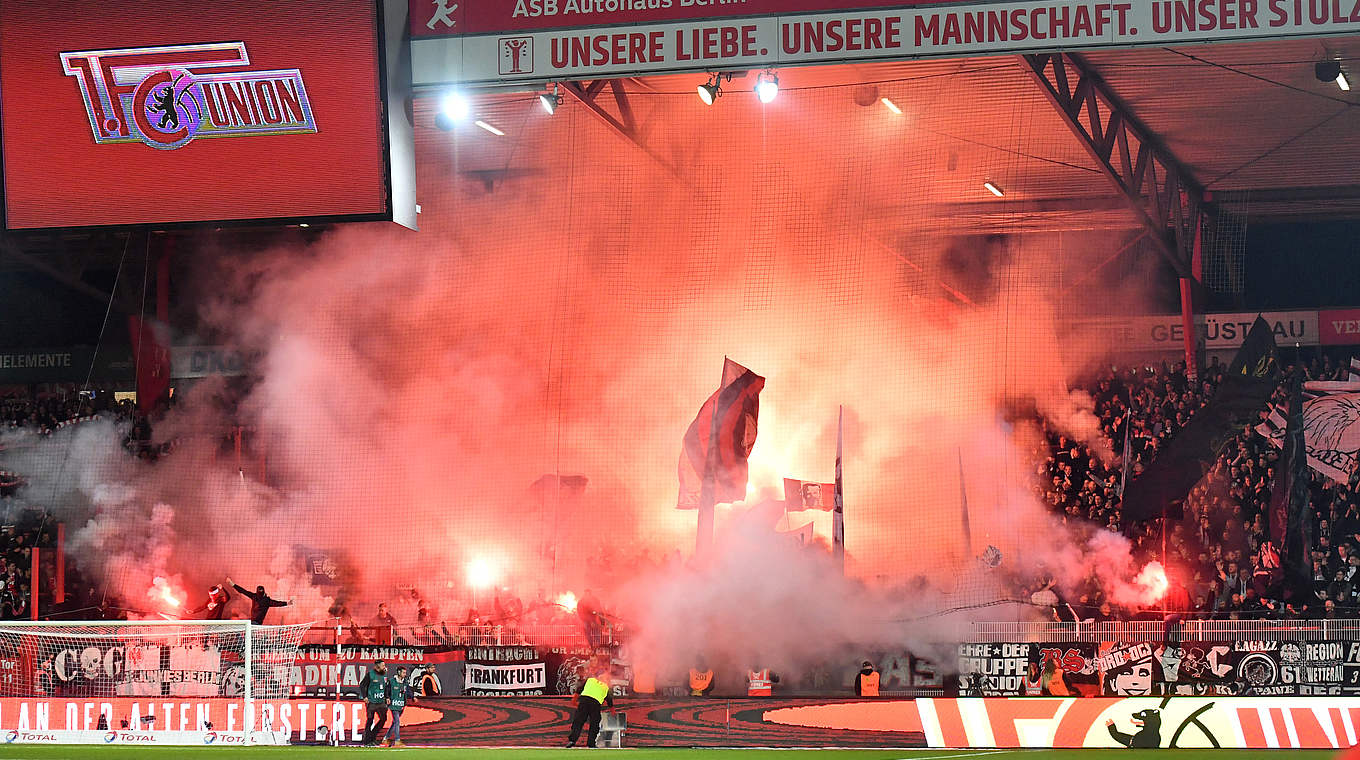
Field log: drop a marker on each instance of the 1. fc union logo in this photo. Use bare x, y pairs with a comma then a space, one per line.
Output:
167, 96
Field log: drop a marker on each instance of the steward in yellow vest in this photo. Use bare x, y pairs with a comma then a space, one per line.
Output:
593, 692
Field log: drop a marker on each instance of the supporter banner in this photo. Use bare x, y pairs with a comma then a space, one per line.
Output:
1218, 332
320, 670
1331, 433
1139, 722
505, 672
1339, 327
524, 40
202, 361
113, 114
1135, 669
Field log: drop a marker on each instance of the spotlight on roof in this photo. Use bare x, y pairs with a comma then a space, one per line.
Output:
994, 189
452, 109
1343, 82
891, 106
550, 101
1327, 70
711, 90
767, 87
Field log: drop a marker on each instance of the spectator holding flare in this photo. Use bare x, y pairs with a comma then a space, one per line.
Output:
216, 606
398, 692
260, 602
375, 689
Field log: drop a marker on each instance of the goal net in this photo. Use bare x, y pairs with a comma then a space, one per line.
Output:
176, 681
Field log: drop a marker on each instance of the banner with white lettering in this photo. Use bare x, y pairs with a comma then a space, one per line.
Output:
1161, 668
533, 40
321, 670
171, 720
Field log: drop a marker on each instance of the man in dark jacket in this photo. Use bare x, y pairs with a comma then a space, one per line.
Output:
375, 692
259, 602
216, 606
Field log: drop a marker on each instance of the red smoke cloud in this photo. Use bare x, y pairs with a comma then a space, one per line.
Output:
565, 310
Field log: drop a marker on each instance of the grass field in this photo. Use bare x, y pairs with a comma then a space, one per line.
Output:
82, 752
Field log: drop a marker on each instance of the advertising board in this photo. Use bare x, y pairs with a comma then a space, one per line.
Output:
118, 112
489, 41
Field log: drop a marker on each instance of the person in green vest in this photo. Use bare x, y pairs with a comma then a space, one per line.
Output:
590, 695
374, 691
398, 692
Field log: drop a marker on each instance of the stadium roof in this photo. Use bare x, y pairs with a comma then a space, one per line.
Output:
1248, 122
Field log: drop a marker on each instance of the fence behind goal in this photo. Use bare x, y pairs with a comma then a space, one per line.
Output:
172, 681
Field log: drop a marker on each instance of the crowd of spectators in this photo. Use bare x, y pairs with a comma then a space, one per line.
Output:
1219, 558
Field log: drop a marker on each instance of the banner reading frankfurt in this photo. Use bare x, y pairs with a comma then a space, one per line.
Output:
720, 439
1245, 390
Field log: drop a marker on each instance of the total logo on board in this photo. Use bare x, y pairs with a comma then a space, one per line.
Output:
167, 96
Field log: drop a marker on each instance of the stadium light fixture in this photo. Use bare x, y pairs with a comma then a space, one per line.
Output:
891, 106
550, 100
489, 127
994, 189
1329, 70
452, 109
767, 87
711, 90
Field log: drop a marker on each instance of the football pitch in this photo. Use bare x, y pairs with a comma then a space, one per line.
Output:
82, 752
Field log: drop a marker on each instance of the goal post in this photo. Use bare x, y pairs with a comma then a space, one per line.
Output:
169, 682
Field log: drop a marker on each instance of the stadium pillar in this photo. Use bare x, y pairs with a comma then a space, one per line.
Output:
163, 281
33, 582
1191, 337
59, 593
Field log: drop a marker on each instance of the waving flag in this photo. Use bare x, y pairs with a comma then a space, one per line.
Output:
1245, 391
804, 494
720, 439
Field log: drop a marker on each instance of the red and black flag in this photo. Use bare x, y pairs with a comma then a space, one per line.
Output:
720, 439
151, 349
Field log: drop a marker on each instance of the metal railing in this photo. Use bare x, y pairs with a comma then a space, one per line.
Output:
444, 635
1186, 630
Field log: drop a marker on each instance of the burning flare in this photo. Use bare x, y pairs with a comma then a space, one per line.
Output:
165, 595
567, 601
1151, 582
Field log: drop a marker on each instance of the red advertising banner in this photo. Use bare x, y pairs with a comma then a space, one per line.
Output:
440, 18
1138, 722
543, 40
1339, 327
179, 720
161, 111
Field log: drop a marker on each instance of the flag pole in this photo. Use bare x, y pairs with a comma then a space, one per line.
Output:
838, 517
963, 509
703, 534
